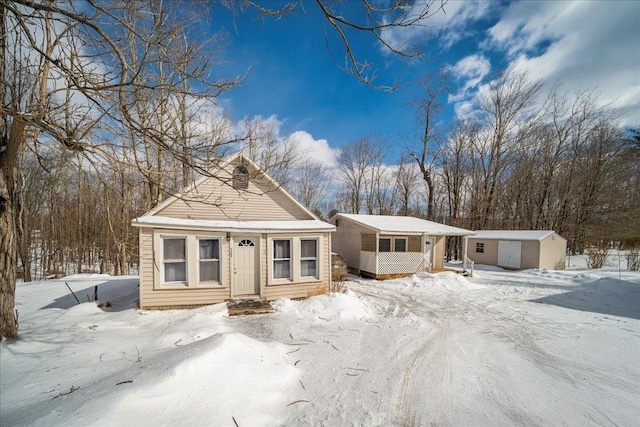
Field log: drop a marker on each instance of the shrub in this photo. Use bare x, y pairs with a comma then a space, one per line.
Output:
633, 259
596, 256
338, 273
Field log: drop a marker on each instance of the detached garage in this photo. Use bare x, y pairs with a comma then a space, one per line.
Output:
518, 249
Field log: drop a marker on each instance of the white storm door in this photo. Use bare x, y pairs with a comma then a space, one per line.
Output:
509, 253
245, 267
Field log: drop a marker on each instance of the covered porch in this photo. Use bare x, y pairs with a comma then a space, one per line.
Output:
382, 246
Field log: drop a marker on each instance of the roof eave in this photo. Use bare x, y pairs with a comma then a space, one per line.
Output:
199, 227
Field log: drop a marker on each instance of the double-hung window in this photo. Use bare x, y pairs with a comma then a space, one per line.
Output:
282, 259
209, 260
174, 259
399, 244
384, 245
309, 257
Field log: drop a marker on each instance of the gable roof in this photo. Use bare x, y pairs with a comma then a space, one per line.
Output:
513, 234
243, 158
404, 225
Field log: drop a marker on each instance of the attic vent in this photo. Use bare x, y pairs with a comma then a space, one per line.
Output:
240, 178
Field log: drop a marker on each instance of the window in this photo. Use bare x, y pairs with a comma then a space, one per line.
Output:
174, 259
384, 245
209, 260
480, 248
246, 242
399, 244
240, 178
282, 259
308, 258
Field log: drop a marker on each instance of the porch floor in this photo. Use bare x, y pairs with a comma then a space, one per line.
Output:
246, 307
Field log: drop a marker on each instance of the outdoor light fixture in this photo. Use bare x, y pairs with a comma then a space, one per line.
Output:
228, 236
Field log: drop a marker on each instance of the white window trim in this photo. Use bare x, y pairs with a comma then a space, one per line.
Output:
406, 244
192, 260
480, 245
316, 258
163, 260
296, 257
390, 239
198, 260
392, 244
274, 259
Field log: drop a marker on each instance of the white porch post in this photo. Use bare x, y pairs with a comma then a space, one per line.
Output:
464, 252
377, 248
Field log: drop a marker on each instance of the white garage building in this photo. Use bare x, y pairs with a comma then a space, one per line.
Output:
518, 249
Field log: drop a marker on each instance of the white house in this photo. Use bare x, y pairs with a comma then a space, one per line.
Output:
383, 246
235, 235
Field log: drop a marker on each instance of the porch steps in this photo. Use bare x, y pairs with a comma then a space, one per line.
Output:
248, 306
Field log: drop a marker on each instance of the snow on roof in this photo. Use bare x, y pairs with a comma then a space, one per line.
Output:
405, 225
230, 225
513, 234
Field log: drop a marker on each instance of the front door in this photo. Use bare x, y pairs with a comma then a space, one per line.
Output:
245, 267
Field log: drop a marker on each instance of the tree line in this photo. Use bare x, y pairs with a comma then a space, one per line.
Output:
523, 159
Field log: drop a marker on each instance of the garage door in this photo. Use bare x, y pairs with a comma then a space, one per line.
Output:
509, 253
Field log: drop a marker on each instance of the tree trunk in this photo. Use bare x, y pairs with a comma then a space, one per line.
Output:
8, 243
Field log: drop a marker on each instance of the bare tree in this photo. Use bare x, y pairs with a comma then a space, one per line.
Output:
505, 115
311, 184
372, 19
405, 182
356, 160
275, 155
72, 77
425, 151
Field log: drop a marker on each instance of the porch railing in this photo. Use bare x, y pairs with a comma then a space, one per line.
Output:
393, 262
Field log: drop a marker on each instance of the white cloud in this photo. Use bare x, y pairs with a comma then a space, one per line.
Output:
470, 73
585, 45
316, 150
450, 23
305, 145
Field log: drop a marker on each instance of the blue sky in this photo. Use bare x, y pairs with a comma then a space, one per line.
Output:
295, 82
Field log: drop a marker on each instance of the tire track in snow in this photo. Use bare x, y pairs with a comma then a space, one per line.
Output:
414, 383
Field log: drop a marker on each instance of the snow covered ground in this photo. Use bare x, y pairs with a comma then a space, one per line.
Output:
532, 347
